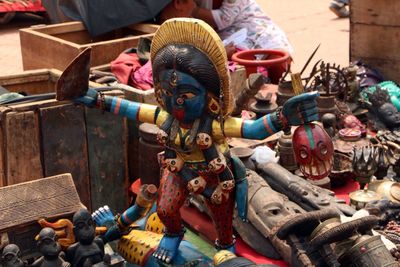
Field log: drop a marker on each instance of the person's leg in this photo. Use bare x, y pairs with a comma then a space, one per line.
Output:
339, 7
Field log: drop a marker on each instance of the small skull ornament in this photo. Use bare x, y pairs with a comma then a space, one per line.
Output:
228, 185
218, 164
162, 137
197, 185
219, 196
203, 140
174, 165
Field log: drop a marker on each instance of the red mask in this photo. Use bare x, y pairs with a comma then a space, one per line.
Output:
313, 149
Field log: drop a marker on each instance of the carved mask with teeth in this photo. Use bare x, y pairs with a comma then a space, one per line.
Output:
313, 149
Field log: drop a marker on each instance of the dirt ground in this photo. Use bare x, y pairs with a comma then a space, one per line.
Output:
306, 22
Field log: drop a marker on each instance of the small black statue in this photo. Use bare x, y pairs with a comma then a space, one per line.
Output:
384, 108
50, 249
11, 257
88, 250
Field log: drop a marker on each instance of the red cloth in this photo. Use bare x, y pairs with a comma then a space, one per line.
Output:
143, 77
128, 70
29, 6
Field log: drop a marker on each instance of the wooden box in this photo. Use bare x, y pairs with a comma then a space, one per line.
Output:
22, 205
375, 35
54, 46
48, 137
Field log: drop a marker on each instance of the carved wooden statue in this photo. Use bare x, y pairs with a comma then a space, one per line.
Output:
192, 87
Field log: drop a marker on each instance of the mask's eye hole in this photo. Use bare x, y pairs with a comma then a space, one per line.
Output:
324, 150
303, 154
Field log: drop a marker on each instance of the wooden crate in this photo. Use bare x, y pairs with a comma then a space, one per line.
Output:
22, 205
54, 46
375, 35
48, 137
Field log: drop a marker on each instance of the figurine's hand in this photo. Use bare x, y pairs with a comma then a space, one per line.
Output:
301, 109
89, 99
104, 217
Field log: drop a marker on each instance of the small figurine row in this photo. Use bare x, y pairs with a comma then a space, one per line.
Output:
88, 250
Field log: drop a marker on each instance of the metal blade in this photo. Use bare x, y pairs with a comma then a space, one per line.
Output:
74, 81
309, 59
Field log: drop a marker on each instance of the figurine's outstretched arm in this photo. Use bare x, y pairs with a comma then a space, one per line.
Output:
132, 110
297, 110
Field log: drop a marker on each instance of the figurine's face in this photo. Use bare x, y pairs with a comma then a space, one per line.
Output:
389, 115
84, 229
272, 209
313, 149
183, 96
49, 247
10, 257
267, 211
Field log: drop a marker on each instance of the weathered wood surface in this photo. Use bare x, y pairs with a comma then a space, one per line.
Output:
375, 35
375, 41
65, 147
41, 46
31, 82
49, 197
34, 81
3, 157
372, 12
107, 149
22, 150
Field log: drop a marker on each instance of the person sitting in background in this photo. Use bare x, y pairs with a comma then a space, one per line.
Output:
234, 15
339, 7
230, 16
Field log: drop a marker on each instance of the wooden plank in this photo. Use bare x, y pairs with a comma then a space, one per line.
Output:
372, 41
59, 28
145, 27
49, 197
26, 76
22, 147
65, 147
3, 180
375, 35
107, 149
372, 12
43, 51
106, 51
41, 46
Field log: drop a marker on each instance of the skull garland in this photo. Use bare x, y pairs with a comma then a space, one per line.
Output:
313, 149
